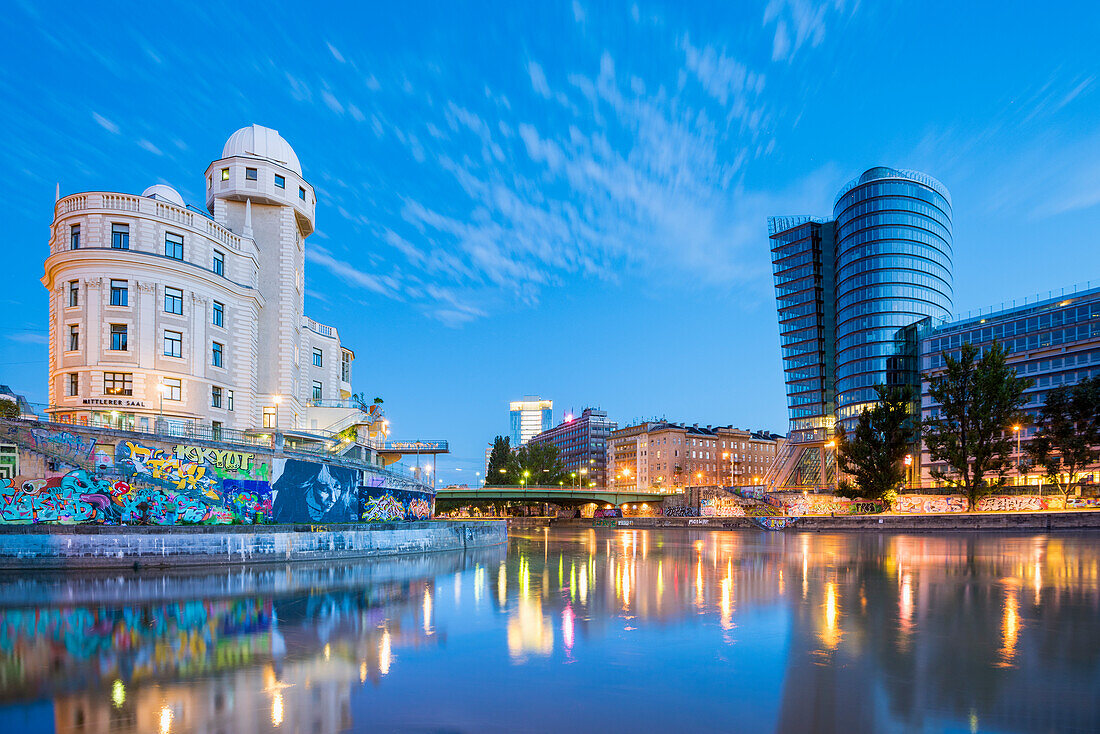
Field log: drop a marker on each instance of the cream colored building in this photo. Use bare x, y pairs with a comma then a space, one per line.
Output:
671, 456
158, 308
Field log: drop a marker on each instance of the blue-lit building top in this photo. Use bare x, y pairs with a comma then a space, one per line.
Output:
1055, 341
893, 270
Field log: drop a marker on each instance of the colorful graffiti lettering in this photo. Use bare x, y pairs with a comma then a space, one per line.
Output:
774, 522
681, 511
159, 467
420, 509
1020, 503
229, 460
916, 503
62, 443
385, 508
798, 506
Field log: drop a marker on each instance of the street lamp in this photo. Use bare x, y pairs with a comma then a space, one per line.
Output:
573, 474
278, 400
908, 471
1016, 430
162, 388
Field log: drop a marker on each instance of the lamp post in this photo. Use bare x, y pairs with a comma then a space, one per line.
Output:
278, 400
908, 471
573, 476
1016, 430
161, 388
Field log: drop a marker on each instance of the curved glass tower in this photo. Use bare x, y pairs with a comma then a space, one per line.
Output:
893, 269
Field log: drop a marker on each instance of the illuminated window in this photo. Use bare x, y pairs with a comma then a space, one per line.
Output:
269, 417
225, 174
118, 383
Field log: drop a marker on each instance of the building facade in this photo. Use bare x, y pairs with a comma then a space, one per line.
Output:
529, 417
1055, 341
850, 294
670, 456
582, 445
163, 311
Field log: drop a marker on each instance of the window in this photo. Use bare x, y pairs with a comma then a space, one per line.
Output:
74, 237
219, 314
74, 337
118, 337
250, 174
173, 246
301, 193
72, 384
345, 366
173, 301
229, 400
280, 181
173, 344
317, 390
216, 355
120, 293
120, 236
216, 430
74, 293
269, 418
173, 388
215, 397
118, 383
318, 357
219, 263
225, 174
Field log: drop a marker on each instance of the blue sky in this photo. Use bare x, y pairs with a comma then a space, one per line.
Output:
567, 199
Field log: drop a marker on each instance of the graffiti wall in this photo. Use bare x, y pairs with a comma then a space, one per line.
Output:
1017, 503
76, 479
827, 504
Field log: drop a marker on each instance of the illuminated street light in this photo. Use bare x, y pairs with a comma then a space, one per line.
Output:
1016, 430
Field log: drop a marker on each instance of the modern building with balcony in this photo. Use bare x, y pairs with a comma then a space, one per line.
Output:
853, 294
582, 445
165, 313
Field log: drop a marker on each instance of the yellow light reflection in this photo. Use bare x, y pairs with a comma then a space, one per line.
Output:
277, 709
905, 606
699, 583
385, 653
1010, 627
363, 672
165, 719
458, 589
830, 632
328, 651
427, 612
584, 584
118, 694
502, 585
725, 607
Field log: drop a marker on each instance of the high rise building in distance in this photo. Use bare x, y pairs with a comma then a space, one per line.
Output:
528, 417
853, 295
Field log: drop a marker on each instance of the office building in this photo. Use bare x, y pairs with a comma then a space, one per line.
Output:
582, 445
1055, 341
163, 310
850, 295
670, 456
528, 417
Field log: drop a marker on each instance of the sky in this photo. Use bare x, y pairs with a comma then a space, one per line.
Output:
566, 199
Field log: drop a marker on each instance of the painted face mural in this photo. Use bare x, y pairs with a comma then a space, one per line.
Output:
310, 492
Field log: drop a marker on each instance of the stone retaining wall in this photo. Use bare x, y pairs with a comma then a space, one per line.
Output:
38, 546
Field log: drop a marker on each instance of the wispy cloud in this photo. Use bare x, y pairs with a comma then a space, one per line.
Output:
799, 23
146, 145
104, 123
25, 338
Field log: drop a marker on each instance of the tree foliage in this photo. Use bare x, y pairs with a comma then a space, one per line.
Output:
501, 462
9, 409
1068, 432
875, 454
538, 464
980, 399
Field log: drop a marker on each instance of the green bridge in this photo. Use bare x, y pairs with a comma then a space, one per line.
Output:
568, 496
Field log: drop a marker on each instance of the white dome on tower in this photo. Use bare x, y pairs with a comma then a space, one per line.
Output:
256, 141
164, 192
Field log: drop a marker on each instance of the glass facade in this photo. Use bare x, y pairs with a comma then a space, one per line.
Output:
893, 270
529, 417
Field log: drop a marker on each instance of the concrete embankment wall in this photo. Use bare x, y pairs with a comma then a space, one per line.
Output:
986, 521
86, 546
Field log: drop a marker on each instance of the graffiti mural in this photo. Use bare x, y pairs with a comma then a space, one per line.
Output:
681, 511
773, 522
248, 498
314, 492
917, 503
379, 504
827, 504
158, 466
1019, 503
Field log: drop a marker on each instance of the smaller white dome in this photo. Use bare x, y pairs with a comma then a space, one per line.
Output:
164, 192
257, 141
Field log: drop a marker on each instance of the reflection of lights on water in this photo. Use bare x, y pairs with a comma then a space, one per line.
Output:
830, 634
584, 584
118, 693
363, 672
1037, 580
1010, 626
165, 719
502, 585
725, 606
458, 588
699, 583
567, 619
660, 581
277, 709
781, 585
572, 581
529, 630
328, 651
479, 584
973, 721
905, 604
385, 654
626, 573
427, 612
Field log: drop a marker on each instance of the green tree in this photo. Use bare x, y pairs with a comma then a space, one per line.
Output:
8, 409
875, 454
1069, 431
979, 399
540, 465
501, 467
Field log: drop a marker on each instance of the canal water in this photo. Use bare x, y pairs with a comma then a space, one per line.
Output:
576, 630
